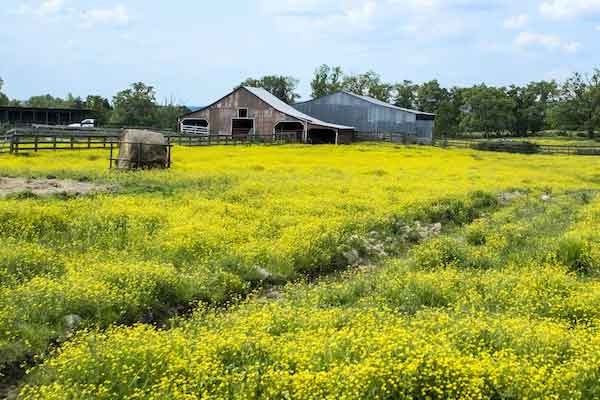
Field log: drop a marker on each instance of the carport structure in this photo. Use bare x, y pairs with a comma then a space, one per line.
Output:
251, 111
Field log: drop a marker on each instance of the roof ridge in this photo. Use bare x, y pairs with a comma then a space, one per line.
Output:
382, 103
287, 109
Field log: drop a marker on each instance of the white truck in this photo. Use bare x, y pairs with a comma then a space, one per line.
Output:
86, 123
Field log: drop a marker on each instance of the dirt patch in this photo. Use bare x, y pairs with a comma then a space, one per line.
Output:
48, 187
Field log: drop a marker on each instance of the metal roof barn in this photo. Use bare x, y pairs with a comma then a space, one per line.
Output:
370, 115
250, 111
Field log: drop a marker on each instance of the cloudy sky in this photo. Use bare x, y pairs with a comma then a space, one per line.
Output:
194, 51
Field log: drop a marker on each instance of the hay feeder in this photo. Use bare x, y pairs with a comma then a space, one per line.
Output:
141, 149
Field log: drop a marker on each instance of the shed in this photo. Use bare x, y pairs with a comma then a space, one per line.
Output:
37, 115
370, 115
250, 111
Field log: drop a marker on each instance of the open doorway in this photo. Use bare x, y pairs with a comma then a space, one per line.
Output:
289, 130
242, 127
322, 136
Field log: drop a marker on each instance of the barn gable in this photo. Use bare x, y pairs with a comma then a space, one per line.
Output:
254, 111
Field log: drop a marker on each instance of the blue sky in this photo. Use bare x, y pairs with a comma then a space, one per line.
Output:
196, 51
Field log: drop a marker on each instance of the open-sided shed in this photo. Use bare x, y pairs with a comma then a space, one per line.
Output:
370, 115
251, 111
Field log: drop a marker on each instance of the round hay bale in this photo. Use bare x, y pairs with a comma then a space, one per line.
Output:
142, 149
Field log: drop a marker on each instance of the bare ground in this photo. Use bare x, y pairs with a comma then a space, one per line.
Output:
48, 187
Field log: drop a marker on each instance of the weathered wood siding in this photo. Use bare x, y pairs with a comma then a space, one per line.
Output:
220, 114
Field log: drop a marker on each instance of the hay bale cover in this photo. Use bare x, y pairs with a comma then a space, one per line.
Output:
142, 149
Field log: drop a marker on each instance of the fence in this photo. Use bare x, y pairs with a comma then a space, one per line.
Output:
40, 139
520, 147
394, 137
194, 130
5, 143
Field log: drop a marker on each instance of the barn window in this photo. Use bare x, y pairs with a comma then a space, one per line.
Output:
243, 113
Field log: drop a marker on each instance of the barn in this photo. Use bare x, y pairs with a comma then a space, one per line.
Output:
370, 115
250, 111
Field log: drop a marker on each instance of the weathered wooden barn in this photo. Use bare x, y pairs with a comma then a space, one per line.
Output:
369, 115
251, 111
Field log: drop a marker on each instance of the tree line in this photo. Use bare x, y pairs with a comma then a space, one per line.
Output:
134, 106
573, 105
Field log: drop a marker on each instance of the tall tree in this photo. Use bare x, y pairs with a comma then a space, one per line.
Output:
368, 84
327, 80
449, 113
405, 94
530, 106
101, 107
283, 87
135, 106
430, 95
3, 98
46, 101
579, 103
168, 114
488, 110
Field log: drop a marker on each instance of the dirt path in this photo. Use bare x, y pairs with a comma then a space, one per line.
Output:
48, 186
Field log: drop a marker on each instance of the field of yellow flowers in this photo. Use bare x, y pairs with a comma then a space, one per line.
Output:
411, 272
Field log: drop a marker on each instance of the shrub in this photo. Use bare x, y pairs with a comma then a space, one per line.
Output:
509, 146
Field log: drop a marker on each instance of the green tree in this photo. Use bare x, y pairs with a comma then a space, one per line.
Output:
101, 107
327, 80
168, 115
530, 106
488, 110
283, 87
449, 113
135, 106
73, 102
405, 94
368, 84
579, 103
430, 95
46, 101
3, 98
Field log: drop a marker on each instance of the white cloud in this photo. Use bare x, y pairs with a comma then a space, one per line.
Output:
516, 21
116, 16
419, 4
321, 16
51, 8
60, 10
47, 9
563, 9
548, 42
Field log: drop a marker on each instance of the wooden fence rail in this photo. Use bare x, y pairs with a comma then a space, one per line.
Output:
520, 147
41, 139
